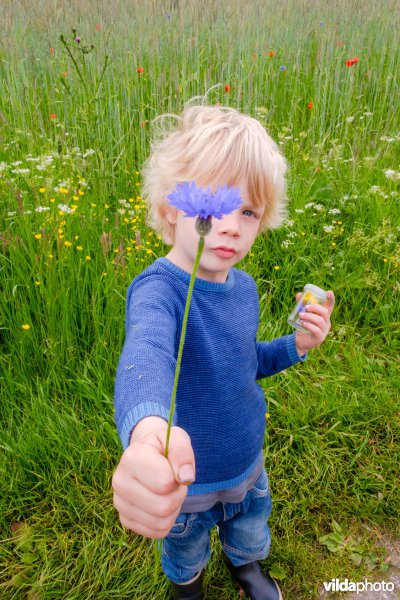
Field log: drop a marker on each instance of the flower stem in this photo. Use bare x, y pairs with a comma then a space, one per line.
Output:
182, 341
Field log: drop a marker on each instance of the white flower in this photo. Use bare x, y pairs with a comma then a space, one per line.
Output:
65, 208
299, 210
11, 214
20, 171
349, 119
328, 228
42, 208
289, 223
16, 163
392, 175
334, 211
286, 243
318, 207
309, 205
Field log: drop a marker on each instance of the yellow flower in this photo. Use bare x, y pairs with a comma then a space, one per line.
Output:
25, 326
136, 172
51, 256
63, 190
79, 248
276, 267
68, 244
52, 199
131, 200
42, 190
75, 198
38, 236
148, 251
385, 260
37, 282
88, 257
333, 244
267, 416
81, 193
106, 206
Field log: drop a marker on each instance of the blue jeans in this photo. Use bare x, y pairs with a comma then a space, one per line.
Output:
242, 529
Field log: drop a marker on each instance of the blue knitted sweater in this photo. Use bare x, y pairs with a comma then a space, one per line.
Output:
219, 402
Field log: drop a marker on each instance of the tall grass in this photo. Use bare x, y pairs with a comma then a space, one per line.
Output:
332, 438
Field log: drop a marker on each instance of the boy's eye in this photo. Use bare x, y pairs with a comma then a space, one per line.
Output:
249, 213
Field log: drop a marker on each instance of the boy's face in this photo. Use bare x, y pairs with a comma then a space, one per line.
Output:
229, 240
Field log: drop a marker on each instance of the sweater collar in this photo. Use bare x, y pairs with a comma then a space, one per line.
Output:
199, 284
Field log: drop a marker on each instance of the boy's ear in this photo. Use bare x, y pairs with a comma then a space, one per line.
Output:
171, 215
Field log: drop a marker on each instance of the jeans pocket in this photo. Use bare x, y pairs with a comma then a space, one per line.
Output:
182, 526
261, 487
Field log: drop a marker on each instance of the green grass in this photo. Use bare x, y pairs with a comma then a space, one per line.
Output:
332, 440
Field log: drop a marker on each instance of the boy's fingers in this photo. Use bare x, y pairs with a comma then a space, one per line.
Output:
181, 456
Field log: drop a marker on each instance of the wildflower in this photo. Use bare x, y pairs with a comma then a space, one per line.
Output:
140, 70
68, 244
80, 248
339, 43
227, 88
352, 61
310, 105
98, 26
42, 190
143, 123
203, 204
51, 50
38, 236
88, 257
282, 68
25, 326
271, 54
53, 116
78, 40
276, 267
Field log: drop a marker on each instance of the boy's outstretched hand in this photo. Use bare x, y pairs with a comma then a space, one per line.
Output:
149, 489
317, 319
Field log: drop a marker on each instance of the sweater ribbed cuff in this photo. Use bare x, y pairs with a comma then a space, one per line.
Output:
136, 414
292, 350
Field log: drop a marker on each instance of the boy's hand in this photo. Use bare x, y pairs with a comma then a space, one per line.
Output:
149, 489
316, 318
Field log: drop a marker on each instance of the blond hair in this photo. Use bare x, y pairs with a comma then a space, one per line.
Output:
214, 145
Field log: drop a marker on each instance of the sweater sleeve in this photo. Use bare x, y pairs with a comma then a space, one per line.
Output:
277, 355
146, 367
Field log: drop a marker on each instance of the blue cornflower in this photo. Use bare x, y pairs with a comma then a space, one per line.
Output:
198, 202
282, 68
202, 203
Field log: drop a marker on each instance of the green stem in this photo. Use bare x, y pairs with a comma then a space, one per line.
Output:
182, 341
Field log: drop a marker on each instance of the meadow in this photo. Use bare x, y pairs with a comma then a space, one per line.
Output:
81, 83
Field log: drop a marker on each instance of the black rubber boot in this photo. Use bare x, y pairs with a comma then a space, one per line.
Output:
190, 591
254, 582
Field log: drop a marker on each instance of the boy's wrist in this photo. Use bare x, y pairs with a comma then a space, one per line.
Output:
301, 350
147, 425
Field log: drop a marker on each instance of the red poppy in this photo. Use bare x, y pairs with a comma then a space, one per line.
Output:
227, 88
140, 70
51, 51
339, 43
98, 27
310, 105
271, 54
143, 123
53, 116
352, 61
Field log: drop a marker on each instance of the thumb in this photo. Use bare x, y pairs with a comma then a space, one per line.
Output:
181, 456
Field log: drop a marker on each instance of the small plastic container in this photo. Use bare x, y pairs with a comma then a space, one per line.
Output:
312, 294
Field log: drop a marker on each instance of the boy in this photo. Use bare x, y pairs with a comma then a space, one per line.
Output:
214, 474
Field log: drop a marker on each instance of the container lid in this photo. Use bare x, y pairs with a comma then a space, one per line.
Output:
317, 291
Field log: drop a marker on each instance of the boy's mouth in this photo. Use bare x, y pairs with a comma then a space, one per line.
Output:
224, 251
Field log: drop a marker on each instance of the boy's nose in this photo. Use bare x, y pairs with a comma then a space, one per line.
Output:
229, 225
